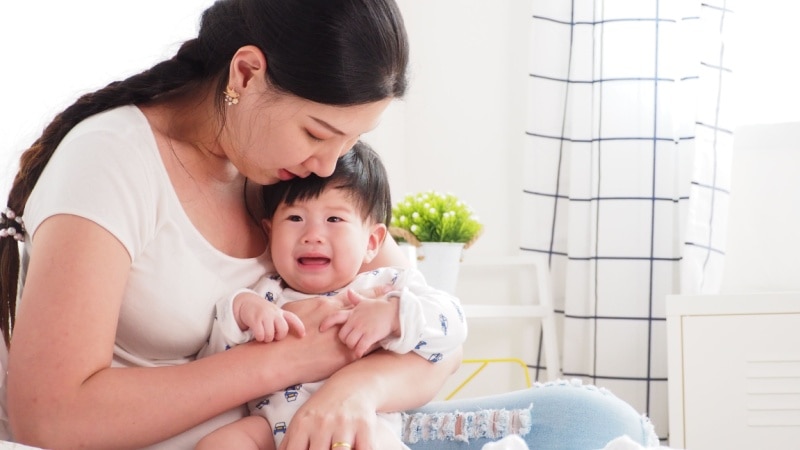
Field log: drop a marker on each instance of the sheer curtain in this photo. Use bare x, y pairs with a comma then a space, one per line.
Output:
627, 165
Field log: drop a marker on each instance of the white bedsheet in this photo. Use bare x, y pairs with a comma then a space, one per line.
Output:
626, 443
514, 442
5, 445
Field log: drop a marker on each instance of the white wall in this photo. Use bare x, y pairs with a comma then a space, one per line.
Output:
463, 119
766, 69
54, 50
763, 238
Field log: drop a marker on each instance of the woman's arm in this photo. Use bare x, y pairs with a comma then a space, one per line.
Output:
62, 392
343, 410
396, 382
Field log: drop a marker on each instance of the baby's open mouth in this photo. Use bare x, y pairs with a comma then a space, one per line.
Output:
313, 261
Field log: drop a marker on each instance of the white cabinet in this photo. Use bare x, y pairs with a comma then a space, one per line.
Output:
734, 371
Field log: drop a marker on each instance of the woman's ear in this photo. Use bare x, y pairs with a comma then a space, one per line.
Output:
247, 65
376, 237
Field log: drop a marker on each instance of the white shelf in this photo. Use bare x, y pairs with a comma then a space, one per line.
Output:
512, 311
538, 305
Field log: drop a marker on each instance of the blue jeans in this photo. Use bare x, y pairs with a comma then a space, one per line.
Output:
564, 415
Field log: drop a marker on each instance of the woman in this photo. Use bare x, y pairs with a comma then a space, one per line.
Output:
135, 205
139, 213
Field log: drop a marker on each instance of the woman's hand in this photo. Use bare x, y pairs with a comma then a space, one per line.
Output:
345, 407
334, 417
322, 352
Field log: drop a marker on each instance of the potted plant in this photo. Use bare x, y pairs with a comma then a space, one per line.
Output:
440, 226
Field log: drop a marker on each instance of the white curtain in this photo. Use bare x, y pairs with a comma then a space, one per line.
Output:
627, 165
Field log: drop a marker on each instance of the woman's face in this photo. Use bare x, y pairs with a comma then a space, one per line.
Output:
287, 136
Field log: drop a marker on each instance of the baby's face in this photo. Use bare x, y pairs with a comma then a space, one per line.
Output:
319, 245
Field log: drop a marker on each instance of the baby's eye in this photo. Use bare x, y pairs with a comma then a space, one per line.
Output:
294, 218
334, 219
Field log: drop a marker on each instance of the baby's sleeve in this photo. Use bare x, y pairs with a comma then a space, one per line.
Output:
432, 322
225, 332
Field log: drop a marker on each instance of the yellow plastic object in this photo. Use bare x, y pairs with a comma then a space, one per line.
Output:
485, 362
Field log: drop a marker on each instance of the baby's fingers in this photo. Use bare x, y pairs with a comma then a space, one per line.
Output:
364, 346
337, 318
294, 323
258, 332
268, 332
351, 338
372, 293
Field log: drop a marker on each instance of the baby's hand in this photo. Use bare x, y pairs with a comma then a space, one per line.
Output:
264, 319
368, 322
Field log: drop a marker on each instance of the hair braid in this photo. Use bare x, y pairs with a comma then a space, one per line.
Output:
165, 78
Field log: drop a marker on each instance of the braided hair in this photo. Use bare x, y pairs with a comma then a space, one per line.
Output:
336, 52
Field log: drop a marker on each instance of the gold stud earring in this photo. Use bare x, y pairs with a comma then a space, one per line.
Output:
231, 96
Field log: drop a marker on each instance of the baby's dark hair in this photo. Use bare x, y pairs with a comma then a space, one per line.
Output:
360, 172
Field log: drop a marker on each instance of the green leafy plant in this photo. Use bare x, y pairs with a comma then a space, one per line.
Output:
434, 217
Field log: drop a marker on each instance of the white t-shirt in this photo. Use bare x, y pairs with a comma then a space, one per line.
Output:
108, 169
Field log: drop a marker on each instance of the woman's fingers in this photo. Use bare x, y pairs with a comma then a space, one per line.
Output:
332, 435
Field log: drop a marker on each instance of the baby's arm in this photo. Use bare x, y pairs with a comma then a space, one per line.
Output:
369, 321
232, 325
432, 322
412, 316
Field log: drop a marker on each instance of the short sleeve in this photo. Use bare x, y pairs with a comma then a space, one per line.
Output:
101, 171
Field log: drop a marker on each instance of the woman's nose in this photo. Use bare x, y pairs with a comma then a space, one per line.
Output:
324, 163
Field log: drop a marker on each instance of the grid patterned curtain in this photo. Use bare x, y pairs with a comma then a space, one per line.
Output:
627, 165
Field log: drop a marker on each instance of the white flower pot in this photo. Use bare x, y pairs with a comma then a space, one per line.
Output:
439, 263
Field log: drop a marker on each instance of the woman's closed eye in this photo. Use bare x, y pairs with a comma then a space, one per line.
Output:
313, 137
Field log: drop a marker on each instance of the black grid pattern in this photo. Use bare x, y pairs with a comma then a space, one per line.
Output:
627, 165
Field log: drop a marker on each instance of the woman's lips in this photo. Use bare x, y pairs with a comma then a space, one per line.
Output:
285, 175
